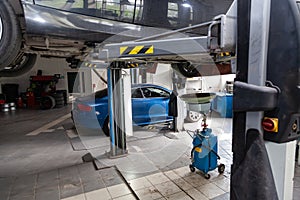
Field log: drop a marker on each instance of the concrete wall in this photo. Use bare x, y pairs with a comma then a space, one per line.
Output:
162, 77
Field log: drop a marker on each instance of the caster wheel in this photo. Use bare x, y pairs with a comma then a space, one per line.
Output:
221, 168
192, 168
207, 176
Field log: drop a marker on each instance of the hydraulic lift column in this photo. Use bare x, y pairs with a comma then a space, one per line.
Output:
266, 99
116, 109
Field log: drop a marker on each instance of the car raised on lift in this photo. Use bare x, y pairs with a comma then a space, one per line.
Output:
71, 28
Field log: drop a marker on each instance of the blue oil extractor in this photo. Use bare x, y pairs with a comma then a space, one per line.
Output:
204, 153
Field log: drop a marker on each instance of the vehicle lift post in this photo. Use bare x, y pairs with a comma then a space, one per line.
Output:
116, 110
258, 24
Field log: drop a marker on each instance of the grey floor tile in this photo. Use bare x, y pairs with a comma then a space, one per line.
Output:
47, 194
69, 182
90, 177
22, 197
24, 185
68, 190
93, 185
47, 179
110, 176
77, 145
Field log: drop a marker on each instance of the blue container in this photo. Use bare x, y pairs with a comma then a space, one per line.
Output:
223, 105
204, 153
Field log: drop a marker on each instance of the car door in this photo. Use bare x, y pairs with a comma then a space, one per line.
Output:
155, 105
138, 104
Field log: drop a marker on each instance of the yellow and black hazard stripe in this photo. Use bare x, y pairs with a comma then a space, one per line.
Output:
132, 65
137, 50
90, 65
223, 54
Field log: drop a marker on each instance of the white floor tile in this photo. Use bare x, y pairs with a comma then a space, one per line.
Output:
126, 197
76, 197
183, 184
167, 188
148, 193
224, 184
157, 178
196, 180
118, 190
210, 190
139, 183
96, 194
183, 171
179, 196
172, 175
195, 194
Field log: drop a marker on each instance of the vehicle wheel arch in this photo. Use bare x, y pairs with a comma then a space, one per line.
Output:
19, 11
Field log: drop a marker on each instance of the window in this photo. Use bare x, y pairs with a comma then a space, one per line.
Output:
120, 10
173, 13
136, 93
154, 92
159, 13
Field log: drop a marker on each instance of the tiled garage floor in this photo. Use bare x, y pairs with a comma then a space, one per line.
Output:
46, 164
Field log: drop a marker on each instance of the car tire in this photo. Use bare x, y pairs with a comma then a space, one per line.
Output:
59, 100
22, 64
105, 127
192, 116
10, 35
186, 69
47, 102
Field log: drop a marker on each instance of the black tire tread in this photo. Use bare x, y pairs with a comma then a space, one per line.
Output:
10, 44
26, 67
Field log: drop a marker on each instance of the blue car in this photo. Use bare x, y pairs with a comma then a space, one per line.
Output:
150, 105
